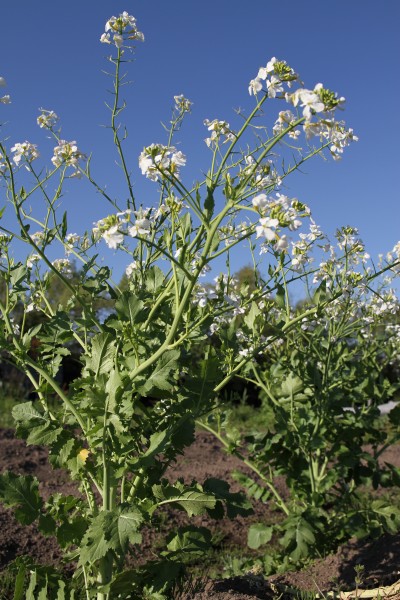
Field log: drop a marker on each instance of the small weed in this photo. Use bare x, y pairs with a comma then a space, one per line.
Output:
7, 579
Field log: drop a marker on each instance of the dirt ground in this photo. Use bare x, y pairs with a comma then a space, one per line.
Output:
381, 559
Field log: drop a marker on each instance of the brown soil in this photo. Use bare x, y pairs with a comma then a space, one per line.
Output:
202, 460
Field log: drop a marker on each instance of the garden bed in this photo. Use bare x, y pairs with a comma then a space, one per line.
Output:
202, 460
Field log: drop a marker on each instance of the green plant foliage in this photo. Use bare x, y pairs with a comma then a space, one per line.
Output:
153, 355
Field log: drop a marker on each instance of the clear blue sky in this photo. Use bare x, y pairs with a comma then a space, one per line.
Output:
209, 50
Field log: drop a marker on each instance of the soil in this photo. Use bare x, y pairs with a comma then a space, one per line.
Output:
202, 460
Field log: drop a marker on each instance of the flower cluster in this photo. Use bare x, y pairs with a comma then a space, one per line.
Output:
3, 164
122, 29
278, 212
132, 268
67, 153
71, 240
394, 255
26, 151
5, 239
315, 101
157, 161
348, 239
32, 260
218, 129
38, 237
274, 74
182, 104
47, 118
63, 265
4, 99
142, 224
203, 296
262, 175
286, 120
230, 233
112, 229
333, 132
383, 304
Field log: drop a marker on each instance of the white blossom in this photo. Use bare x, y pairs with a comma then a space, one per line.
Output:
260, 202
308, 99
182, 104
274, 86
140, 227
266, 228
269, 68
118, 40
47, 119
32, 260
3, 164
123, 25
63, 265
281, 244
105, 38
66, 153
24, 150
255, 86
131, 268
218, 128
156, 158
112, 237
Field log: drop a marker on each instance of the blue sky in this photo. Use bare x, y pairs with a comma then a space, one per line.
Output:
209, 50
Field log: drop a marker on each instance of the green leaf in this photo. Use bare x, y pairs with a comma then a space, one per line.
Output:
43, 592
103, 354
18, 277
154, 279
235, 503
44, 434
191, 541
209, 204
193, 500
21, 492
258, 535
125, 529
251, 317
47, 524
394, 415
64, 225
156, 576
130, 308
95, 545
71, 532
200, 381
110, 530
32, 586
253, 489
292, 385
388, 515
159, 379
25, 413
114, 389
19, 585
158, 442
299, 535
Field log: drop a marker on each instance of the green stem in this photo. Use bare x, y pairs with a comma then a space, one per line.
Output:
278, 499
117, 141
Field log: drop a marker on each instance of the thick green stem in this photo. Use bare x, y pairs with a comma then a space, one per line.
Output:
106, 563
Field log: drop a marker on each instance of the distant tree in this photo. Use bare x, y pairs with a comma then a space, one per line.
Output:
247, 276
